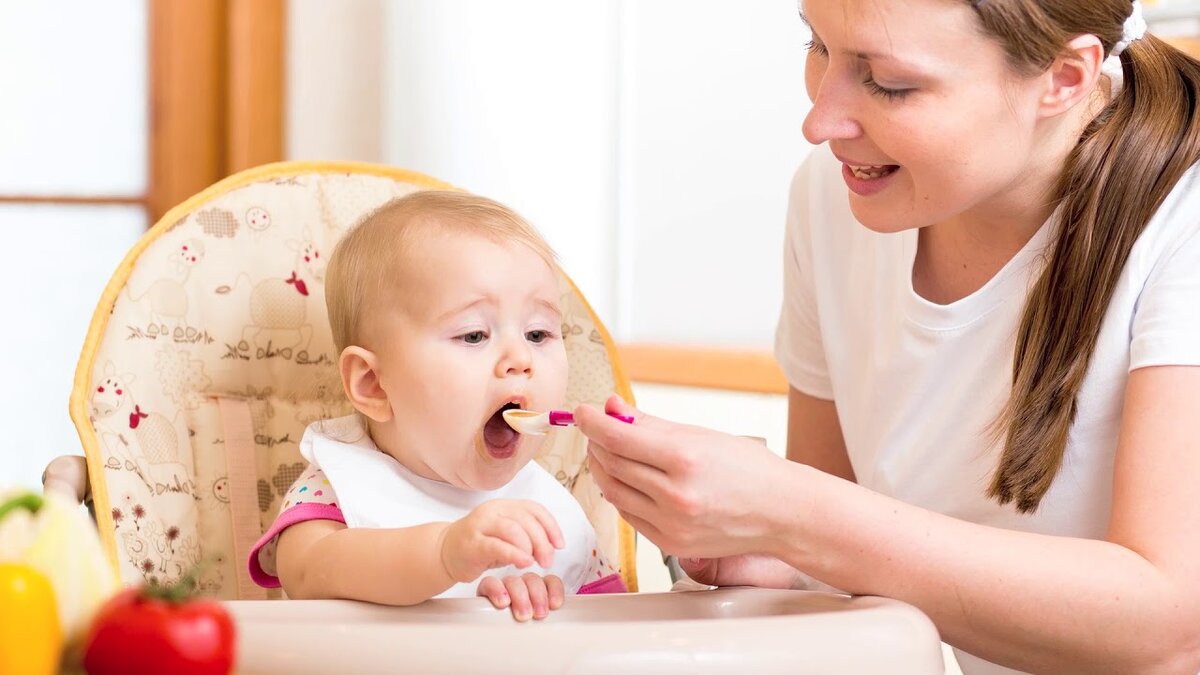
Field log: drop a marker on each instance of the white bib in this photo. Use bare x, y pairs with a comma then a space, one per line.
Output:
374, 490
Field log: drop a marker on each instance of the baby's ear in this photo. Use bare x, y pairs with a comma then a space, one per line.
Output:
360, 381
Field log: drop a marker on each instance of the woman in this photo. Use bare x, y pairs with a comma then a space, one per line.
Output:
996, 337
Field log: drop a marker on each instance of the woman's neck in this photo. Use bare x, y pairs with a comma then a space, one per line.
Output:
959, 255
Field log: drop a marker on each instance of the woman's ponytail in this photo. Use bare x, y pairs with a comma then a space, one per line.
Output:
1125, 164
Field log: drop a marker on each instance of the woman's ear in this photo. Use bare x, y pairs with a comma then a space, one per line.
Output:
360, 380
1073, 76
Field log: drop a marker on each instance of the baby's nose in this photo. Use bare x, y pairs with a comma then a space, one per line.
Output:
516, 360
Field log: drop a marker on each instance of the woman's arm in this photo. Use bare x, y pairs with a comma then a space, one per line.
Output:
326, 559
815, 435
1130, 603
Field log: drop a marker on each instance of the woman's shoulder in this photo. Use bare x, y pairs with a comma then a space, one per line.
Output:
1182, 206
1174, 226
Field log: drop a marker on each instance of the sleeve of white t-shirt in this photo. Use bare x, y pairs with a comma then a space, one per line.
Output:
798, 345
1166, 323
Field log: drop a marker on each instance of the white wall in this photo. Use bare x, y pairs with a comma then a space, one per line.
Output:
66, 256
73, 122
334, 98
651, 141
714, 99
514, 100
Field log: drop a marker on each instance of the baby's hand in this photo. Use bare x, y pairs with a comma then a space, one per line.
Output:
499, 533
528, 594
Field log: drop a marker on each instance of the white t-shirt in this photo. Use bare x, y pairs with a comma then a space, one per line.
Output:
918, 384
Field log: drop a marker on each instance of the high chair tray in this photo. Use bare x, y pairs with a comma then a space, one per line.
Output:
729, 630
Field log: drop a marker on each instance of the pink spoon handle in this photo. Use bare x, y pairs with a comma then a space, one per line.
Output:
562, 418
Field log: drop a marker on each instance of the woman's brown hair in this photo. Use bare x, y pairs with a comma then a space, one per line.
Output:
1126, 162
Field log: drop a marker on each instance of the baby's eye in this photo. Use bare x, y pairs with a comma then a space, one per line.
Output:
474, 337
537, 336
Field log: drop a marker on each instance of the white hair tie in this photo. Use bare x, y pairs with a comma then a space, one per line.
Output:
1133, 30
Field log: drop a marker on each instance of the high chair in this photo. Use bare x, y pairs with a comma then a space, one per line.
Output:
208, 355
210, 352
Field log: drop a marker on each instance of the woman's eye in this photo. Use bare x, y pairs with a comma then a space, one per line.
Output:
818, 49
537, 336
883, 92
474, 337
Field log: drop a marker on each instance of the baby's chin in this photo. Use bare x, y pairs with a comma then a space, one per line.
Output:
495, 477
476, 475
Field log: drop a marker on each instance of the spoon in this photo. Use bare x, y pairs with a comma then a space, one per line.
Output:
538, 423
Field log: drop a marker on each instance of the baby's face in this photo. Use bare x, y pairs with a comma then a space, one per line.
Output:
478, 329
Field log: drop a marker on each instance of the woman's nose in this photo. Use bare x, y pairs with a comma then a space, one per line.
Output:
830, 117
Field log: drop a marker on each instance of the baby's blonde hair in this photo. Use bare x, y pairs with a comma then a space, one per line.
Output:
365, 260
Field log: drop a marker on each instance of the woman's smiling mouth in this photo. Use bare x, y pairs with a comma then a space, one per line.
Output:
869, 182
872, 172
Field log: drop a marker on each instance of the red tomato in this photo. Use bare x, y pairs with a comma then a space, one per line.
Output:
136, 634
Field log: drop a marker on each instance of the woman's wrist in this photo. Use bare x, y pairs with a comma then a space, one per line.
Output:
797, 530
791, 506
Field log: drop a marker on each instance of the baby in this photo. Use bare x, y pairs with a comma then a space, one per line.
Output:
445, 310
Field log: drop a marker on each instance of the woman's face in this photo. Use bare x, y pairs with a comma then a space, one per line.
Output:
929, 121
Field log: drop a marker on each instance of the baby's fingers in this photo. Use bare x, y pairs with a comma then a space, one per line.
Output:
539, 598
511, 530
546, 523
493, 589
555, 592
496, 552
522, 608
544, 540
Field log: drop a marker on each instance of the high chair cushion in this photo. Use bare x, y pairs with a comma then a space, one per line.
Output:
210, 352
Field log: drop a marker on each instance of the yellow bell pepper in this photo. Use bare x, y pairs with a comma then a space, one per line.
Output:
31, 638
53, 536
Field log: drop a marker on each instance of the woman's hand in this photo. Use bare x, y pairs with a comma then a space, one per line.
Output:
693, 491
529, 595
751, 569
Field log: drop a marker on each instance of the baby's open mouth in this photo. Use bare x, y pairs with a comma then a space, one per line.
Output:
499, 438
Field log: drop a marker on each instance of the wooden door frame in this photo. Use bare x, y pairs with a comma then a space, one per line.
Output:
216, 71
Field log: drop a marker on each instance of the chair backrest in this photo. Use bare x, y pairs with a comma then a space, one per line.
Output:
210, 352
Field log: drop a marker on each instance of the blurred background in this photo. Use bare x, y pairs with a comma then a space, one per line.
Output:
651, 141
